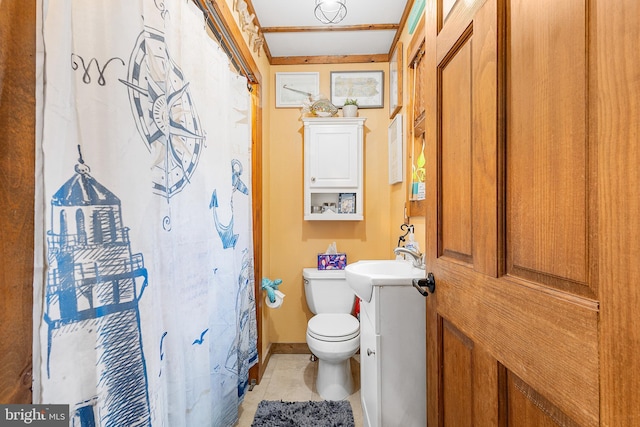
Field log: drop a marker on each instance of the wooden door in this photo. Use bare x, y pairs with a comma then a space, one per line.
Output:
533, 144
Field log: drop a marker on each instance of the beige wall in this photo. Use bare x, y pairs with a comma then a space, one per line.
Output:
290, 243
398, 192
295, 243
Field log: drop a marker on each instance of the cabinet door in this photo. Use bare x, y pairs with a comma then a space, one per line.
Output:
401, 355
369, 368
333, 156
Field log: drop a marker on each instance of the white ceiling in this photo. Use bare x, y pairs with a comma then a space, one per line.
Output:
299, 13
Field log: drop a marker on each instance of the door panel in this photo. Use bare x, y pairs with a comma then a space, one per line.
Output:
527, 407
457, 377
513, 325
548, 178
548, 341
467, 371
455, 152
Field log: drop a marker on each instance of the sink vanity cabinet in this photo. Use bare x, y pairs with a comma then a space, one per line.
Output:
393, 357
333, 168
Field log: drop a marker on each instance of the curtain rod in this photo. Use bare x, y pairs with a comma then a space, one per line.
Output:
218, 26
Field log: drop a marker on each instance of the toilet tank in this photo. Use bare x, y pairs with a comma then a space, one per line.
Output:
327, 291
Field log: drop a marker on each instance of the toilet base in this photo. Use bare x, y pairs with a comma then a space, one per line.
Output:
334, 380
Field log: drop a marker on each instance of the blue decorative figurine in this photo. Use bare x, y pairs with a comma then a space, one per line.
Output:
271, 286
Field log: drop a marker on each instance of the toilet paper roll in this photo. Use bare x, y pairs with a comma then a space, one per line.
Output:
277, 303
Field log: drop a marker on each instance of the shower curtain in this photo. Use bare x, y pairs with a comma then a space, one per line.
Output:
144, 307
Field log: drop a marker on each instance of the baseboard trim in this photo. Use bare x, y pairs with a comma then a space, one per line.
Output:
289, 348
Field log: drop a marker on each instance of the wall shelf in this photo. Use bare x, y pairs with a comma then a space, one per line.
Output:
333, 168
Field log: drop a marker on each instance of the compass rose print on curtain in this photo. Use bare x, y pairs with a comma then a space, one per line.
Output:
164, 112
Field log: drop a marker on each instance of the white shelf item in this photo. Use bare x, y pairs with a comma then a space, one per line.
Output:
333, 168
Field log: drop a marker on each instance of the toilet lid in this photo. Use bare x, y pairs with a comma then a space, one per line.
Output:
333, 327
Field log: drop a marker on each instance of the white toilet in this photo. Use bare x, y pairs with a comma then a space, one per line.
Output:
333, 334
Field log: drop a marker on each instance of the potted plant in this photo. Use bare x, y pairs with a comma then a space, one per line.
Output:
350, 108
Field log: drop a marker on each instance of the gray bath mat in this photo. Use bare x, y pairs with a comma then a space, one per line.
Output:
323, 413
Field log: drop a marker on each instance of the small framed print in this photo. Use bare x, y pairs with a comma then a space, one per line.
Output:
395, 81
292, 89
395, 150
367, 87
347, 203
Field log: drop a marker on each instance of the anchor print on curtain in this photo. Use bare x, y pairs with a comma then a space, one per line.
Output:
227, 236
144, 284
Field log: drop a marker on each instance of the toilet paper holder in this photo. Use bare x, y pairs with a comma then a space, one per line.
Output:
279, 299
274, 297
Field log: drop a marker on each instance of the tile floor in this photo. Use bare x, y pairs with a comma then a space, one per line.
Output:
291, 377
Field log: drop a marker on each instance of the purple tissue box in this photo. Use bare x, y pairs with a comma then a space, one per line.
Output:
332, 261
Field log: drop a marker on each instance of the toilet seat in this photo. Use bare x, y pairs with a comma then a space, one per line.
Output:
333, 327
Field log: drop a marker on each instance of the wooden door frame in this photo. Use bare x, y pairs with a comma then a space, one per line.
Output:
257, 370
17, 192
615, 127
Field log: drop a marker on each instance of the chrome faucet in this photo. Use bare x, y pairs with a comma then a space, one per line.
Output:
417, 257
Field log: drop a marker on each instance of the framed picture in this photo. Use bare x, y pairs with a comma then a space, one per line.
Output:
347, 203
293, 88
395, 81
365, 86
395, 150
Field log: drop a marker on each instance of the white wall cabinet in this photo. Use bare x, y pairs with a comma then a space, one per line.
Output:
393, 378
333, 168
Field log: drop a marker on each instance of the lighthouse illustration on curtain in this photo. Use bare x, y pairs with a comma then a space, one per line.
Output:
94, 284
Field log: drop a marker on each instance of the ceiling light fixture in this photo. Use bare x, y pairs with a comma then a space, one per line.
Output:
330, 11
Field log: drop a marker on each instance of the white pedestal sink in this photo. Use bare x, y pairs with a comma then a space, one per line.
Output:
362, 276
